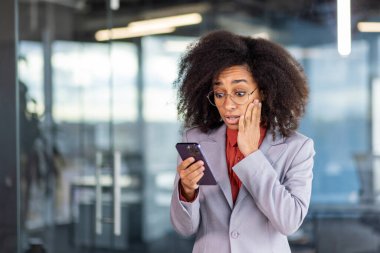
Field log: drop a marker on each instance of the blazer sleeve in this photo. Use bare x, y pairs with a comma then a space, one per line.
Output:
284, 204
184, 216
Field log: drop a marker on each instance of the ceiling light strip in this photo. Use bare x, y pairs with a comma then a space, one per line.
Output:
124, 33
344, 26
369, 27
149, 27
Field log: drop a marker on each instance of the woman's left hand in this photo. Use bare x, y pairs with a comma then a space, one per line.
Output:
249, 128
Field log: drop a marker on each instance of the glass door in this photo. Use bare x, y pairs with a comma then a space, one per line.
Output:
80, 158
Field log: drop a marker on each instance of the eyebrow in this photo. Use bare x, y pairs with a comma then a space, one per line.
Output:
233, 82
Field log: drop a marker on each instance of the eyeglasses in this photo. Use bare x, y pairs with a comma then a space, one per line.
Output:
217, 98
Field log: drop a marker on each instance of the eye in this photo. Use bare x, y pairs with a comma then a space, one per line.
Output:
219, 94
240, 93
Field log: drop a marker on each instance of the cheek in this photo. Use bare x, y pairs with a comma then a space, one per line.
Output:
220, 110
255, 97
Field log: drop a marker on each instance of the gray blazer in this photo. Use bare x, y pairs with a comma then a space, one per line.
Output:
272, 202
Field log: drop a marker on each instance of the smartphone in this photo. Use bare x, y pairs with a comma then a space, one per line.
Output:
192, 149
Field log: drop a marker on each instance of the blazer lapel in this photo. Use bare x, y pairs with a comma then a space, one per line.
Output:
215, 149
276, 147
272, 151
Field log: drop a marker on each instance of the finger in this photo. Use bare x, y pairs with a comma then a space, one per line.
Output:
190, 179
241, 123
195, 173
195, 181
186, 163
192, 168
258, 116
255, 112
248, 114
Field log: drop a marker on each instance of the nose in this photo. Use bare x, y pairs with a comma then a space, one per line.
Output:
229, 103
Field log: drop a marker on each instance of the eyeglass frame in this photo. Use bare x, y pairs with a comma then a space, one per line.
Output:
227, 94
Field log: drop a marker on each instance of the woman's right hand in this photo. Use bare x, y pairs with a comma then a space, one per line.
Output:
190, 173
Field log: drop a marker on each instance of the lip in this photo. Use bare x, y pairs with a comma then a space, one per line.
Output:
232, 116
232, 119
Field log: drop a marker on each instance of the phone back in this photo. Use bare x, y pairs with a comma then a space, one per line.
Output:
192, 149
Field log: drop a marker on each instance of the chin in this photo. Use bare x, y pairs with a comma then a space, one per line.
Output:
233, 127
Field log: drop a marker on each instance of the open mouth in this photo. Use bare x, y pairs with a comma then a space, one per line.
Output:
232, 120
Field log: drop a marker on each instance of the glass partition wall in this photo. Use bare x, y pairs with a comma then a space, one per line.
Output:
97, 132
76, 178
81, 160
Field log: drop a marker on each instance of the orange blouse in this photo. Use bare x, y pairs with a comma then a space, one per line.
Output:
233, 156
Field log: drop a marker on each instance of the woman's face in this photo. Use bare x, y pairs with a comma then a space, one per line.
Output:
236, 81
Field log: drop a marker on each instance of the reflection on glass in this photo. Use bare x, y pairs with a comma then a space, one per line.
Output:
36, 164
84, 69
30, 68
161, 57
95, 110
337, 116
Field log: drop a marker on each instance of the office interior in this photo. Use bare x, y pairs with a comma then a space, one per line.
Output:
88, 118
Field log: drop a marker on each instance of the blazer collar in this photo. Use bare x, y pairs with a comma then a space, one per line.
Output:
217, 134
215, 144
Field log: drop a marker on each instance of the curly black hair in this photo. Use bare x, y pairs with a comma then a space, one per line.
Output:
279, 76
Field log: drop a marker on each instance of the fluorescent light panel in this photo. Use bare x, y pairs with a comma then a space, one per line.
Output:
344, 26
115, 5
149, 27
173, 21
369, 27
124, 33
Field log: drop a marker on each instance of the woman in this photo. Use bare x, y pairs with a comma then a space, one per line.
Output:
242, 98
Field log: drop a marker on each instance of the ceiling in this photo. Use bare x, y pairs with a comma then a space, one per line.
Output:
280, 17
310, 10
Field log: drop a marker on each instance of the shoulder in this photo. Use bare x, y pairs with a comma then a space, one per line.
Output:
195, 134
192, 134
193, 131
300, 142
297, 138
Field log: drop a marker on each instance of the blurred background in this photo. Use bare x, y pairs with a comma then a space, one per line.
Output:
88, 118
